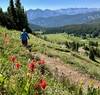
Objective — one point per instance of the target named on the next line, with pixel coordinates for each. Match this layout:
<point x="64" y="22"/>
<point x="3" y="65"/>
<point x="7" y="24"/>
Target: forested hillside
<point x="14" y="17"/>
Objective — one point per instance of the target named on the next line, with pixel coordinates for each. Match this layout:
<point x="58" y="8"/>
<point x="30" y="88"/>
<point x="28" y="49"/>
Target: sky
<point x="54" y="4"/>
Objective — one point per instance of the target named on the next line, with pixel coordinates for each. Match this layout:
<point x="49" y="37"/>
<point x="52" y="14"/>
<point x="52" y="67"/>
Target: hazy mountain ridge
<point x="57" y="18"/>
<point x="32" y="14"/>
<point x="62" y="20"/>
<point x="95" y="21"/>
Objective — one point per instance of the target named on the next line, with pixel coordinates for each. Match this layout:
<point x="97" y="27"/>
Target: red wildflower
<point x="31" y="66"/>
<point x="43" y="84"/>
<point x="12" y="58"/>
<point x="41" y="61"/>
<point x="17" y="65"/>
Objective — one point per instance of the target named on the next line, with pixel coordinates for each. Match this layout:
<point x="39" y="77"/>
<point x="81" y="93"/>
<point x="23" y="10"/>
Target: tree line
<point x="83" y="30"/>
<point x="15" y="16"/>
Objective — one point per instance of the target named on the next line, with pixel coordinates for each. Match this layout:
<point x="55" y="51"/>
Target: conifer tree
<point x="1" y="16"/>
<point x="15" y="17"/>
<point x="91" y="54"/>
<point x="12" y="12"/>
<point x="21" y="16"/>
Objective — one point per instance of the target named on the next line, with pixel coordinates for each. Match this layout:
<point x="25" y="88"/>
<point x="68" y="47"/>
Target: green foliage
<point x="91" y="54"/>
<point x="21" y="16"/>
<point x="15" y="17"/>
<point x="92" y="43"/>
<point x="73" y="45"/>
<point x="11" y="11"/>
<point x="5" y="20"/>
<point x="93" y="30"/>
<point x="97" y="52"/>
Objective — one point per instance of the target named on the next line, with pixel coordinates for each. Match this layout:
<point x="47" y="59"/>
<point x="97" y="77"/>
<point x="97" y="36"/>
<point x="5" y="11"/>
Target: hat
<point x="24" y="29"/>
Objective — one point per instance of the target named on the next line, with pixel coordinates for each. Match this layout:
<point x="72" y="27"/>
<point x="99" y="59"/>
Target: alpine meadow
<point x="51" y="50"/>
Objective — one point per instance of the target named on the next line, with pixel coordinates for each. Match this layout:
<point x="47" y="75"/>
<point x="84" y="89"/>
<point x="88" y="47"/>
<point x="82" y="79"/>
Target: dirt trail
<point x="69" y="71"/>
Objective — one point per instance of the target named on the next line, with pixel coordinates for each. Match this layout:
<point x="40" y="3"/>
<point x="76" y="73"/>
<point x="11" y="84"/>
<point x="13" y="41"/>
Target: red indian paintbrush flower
<point x="41" y="61"/>
<point x="12" y="58"/>
<point x="43" y="84"/>
<point x="17" y="66"/>
<point x="31" y="66"/>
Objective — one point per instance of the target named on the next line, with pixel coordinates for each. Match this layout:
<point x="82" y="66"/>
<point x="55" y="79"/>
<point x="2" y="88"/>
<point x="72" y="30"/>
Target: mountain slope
<point x="15" y="76"/>
<point x="35" y="27"/>
<point x="95" y="21"/>
<point x="18" y="79"/>
<point x="57" y="21"/>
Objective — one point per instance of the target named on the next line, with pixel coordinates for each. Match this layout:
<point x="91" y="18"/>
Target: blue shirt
<point x="24" y="36"/>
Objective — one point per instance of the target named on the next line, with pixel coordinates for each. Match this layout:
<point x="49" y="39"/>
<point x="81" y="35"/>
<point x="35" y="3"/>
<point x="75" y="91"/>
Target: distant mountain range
<point x="57" y="18"/>
<point x="95" y="21"/>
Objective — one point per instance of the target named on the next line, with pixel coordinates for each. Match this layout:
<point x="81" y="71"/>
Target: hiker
<point x="24" y="38"/>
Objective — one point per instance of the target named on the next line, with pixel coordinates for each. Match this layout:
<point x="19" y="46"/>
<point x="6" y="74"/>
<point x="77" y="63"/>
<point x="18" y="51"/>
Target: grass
<point x="11" y="84"/>
<point x="16" y="82"/>
<point x="80" y="60"/>
<point x="55" y="50"/>
<point x="63" y="37"/>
